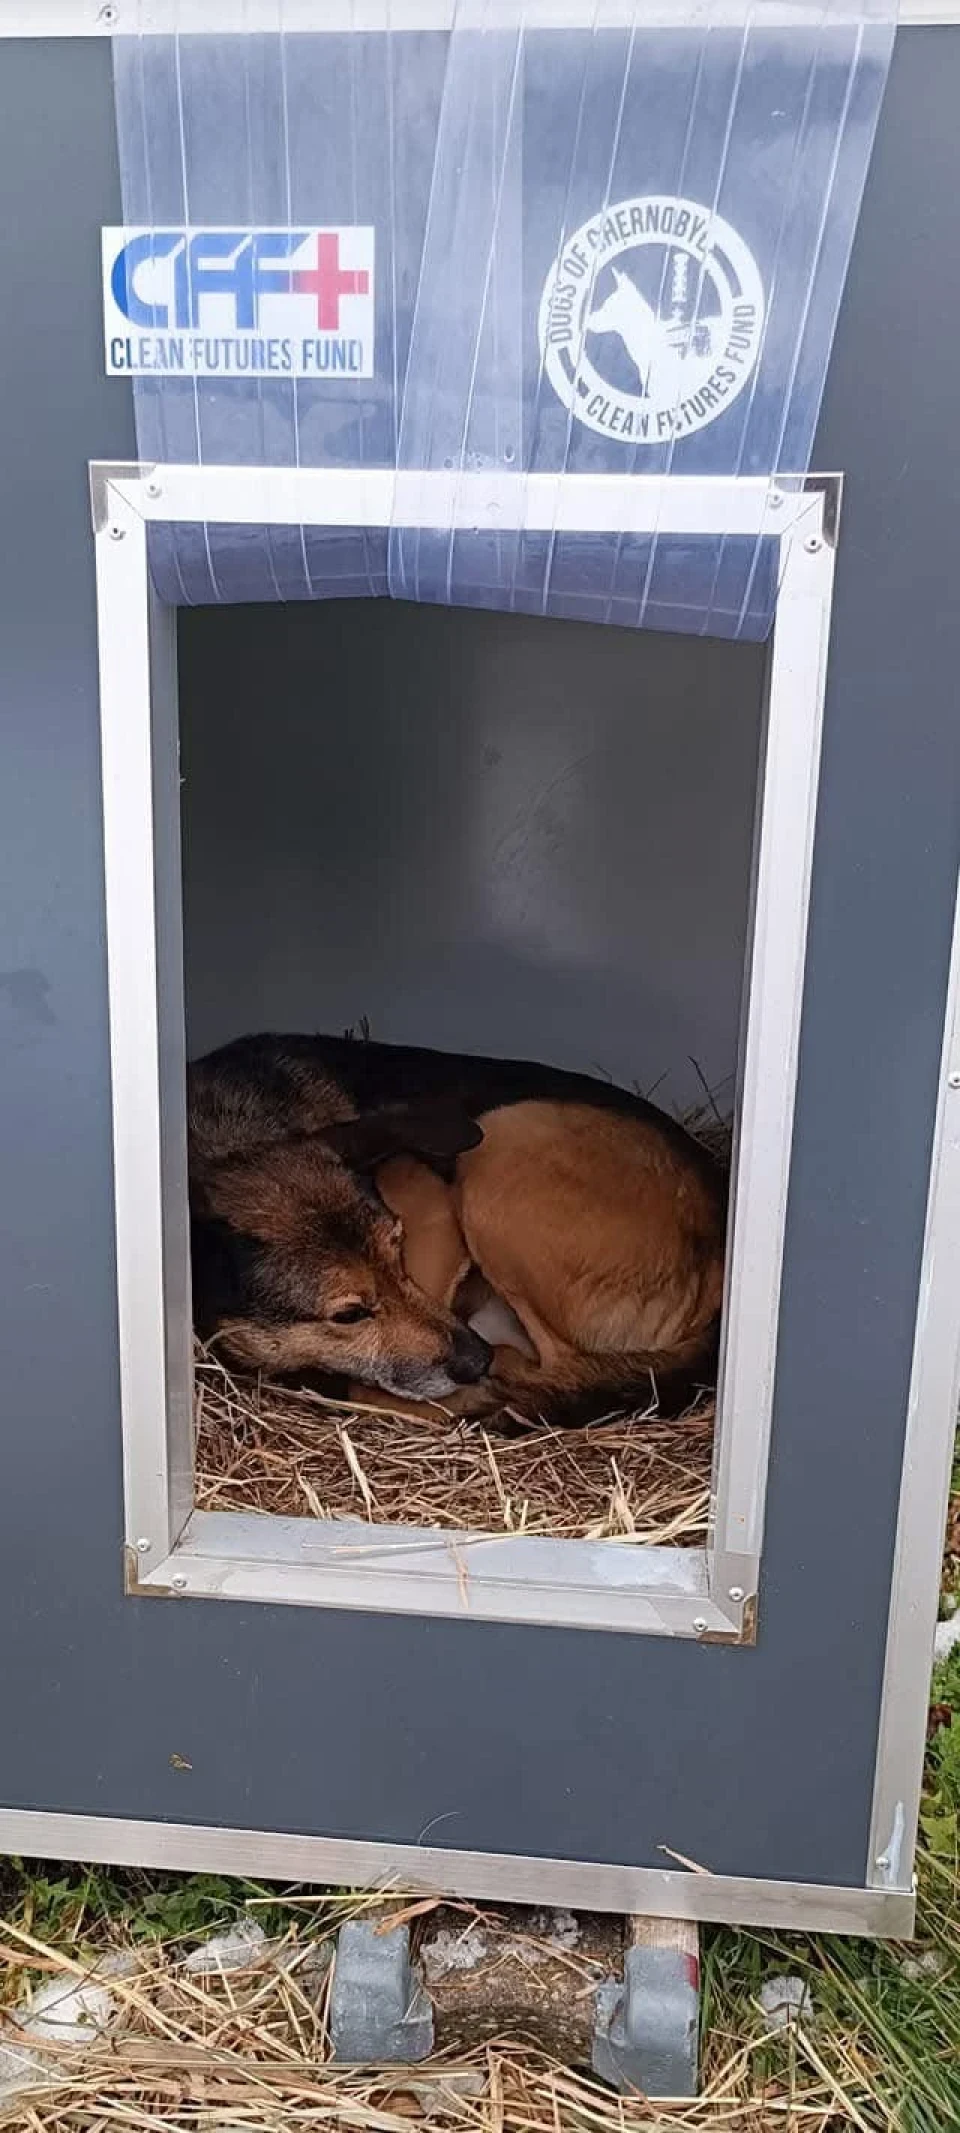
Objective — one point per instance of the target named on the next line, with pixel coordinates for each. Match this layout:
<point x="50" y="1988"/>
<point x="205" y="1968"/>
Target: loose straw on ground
<point x="201" y="2053"/>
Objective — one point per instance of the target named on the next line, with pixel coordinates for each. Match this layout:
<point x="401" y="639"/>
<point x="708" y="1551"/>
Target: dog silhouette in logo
<point x="656" y="347"/>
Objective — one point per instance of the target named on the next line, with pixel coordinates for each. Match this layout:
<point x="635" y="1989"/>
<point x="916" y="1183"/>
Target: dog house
<point x="521" y="316"/>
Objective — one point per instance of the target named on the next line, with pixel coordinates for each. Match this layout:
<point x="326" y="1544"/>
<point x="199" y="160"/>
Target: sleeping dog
<point x="354" y="1206"/>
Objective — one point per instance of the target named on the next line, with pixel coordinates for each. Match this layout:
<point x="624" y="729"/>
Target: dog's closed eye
<point x="349" y="1314"/>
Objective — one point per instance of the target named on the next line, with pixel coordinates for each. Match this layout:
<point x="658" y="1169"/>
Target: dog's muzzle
<point x="467" y="1361"/>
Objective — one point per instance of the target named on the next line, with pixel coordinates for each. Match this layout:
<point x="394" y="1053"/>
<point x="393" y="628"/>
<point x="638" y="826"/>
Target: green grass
<point x="885" y="2031"/>
<point x="89" y="1909"/>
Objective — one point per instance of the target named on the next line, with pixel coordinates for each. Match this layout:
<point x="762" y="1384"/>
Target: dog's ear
<point x="436" y="1131"/>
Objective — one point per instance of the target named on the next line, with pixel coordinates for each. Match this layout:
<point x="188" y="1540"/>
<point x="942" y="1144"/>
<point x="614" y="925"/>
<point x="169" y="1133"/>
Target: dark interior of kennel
<point x="554" y="1744"/>
<point x="486" y="832"/>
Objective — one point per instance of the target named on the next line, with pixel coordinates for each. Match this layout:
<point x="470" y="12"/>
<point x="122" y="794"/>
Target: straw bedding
<point x="631" y="1478"/>
<point x="266" y="1448"/>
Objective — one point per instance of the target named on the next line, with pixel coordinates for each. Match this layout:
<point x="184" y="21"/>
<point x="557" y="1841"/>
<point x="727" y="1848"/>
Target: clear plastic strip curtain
<point x="479" y="237"/>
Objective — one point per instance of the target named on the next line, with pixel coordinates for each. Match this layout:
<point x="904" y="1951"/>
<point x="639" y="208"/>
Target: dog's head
<point x="298" y="1264"/>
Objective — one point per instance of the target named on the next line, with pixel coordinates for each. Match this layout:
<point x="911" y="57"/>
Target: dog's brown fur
<point x="592" y="1217"/>
<point x="598" y="1240"/>
<point x="298" y="1266"/>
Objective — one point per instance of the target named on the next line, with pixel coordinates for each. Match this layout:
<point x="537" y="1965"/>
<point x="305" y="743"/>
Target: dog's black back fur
<point x="278" y="1085"/>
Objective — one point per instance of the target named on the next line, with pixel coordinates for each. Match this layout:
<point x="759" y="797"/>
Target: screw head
<point x="775" y="501"/>
<point x="107" y="14"/>
<point x="953" y="1080"/>
<point x="117" y="532"/>
<point x="179" y="1582"/>
<point x="735" y="1592"/>
<point x="153" y="489"/>
<point x="699" y="1623"/>
<point x="143" y="1545"/>
<point x="813" y="544"/>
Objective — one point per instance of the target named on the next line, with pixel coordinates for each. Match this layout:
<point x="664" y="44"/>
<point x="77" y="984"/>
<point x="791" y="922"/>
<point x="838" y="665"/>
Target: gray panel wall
<point x="558" y="1743"/>
<point x="483" y="831"/>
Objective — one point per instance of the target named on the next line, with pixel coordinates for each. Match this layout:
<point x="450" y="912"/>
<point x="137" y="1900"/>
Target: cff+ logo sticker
<point x="239" y="303"/>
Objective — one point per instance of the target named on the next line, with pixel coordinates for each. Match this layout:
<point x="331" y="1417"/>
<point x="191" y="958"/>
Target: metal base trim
<point x="497" y="1877"/>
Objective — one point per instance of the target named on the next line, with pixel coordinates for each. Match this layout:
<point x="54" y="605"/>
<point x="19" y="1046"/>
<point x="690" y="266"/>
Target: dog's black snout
<point x="470" y="1357"/>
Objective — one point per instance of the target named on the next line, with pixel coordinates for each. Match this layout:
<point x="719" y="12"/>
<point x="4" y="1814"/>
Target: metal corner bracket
<point x="830" y="487"/>
<point x="102" y="473"/>
<point x="742" y="1631"/>
<point x="137" y="1588"/>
